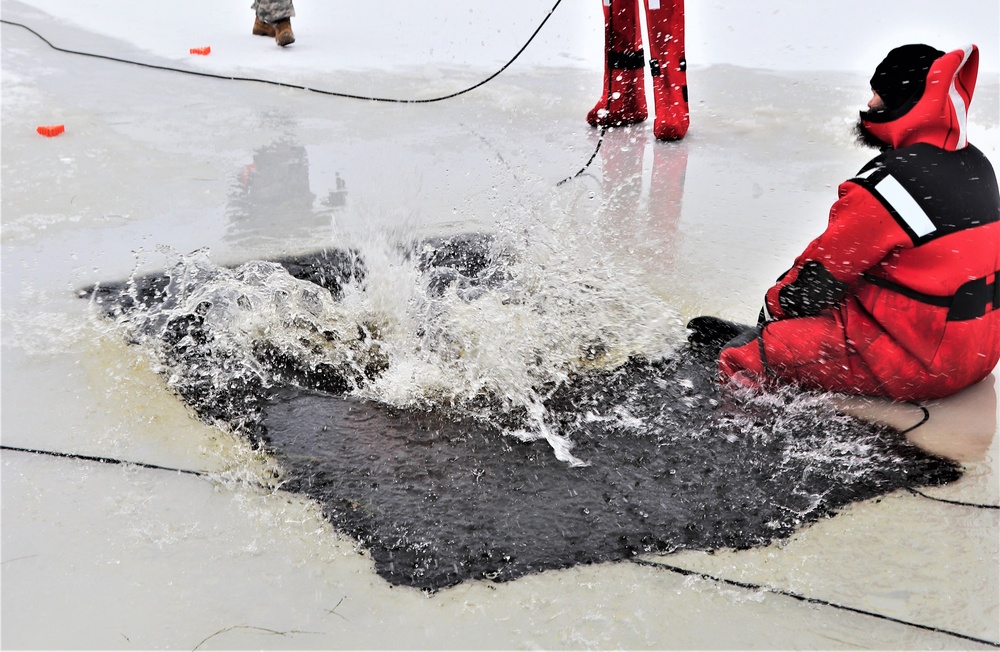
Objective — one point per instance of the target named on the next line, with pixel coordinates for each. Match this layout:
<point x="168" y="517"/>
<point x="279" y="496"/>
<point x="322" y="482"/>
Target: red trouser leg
<point x="812" y="352"/>
<point x="624" y="99"/>
<point x="665" y="23"/>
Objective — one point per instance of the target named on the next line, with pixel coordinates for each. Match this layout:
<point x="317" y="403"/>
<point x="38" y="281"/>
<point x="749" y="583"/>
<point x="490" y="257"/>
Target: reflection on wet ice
<point x="960" y="427"/>
<point x="642" y="181"/>
<point x="271" y="198"/>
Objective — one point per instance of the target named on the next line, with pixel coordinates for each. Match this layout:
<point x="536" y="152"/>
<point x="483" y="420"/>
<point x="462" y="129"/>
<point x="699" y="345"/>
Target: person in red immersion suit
<point x="624" y="98"/>
<point x="899" y="297"/>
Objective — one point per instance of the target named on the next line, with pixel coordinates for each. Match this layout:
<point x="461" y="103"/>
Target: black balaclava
<point x="902" y="75"/>
<point x="900" y="81"/>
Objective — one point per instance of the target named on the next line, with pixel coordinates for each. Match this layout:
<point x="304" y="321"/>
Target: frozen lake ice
<point x="127" y="558"/>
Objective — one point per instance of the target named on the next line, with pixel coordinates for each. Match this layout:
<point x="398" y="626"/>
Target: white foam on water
<point x="564" y="303"/>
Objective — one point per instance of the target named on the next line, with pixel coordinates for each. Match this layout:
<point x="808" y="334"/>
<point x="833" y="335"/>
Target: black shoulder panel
<point x="956" y="190"/>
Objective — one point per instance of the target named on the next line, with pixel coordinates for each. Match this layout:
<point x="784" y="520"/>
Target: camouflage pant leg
<point x="271" y="11"/>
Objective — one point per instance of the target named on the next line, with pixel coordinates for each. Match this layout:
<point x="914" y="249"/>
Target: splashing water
<point x="533" y="333"/>
<point x="490" y="327"/>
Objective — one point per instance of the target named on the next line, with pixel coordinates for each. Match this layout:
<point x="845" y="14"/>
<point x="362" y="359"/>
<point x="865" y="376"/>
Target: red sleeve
<point x="860" y="233"/>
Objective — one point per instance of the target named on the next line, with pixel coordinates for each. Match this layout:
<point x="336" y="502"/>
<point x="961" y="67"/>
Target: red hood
<point x="938" y="116"/>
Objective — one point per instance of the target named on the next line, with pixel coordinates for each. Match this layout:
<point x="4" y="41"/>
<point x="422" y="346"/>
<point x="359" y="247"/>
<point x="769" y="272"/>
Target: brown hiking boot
<point x="283" y="33"/>
<point x="260" y="28"/>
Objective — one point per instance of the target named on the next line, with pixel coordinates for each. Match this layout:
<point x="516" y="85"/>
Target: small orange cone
<point x="202" y="51"/>
<point x="51" y="130"/>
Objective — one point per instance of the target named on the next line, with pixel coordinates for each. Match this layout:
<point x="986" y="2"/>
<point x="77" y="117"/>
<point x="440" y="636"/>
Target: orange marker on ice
<point x="202" y="51"/>
<point x="51" y="130"/>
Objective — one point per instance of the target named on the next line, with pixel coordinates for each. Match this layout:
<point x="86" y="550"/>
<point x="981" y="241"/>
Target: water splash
<point x="482" y="325"/>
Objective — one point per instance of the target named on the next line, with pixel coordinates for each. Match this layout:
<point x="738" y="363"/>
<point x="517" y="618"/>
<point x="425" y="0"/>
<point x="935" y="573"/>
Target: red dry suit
<point x="899" y="297"/>
<point x="624" y="99"/>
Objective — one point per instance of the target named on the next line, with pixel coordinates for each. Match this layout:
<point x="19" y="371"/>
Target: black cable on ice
<point x="925" y="419"/>
<point x="951" y="502"/>
<point x="352" y="96"/>
<point x="802" y="598"/>
<point x="607" y="104"/>
<point x="102" y="460"/>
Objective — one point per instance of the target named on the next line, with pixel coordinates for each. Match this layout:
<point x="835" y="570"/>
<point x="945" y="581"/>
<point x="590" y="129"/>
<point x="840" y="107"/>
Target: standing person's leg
<point x="273" y="18"/>
<point x="624" y="98"/>
<point x="665" y="23"/>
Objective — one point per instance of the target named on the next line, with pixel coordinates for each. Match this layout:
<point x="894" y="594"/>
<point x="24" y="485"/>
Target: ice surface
<point x="153" y="159"/>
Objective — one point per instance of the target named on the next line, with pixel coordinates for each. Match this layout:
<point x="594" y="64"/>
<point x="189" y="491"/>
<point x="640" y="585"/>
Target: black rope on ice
<point x="607" y="106"/>
<point x="351" y="96"/>
<point x="600" y="141"/>
<point x="925" y="419"/>
<point x="951" y="502"/>
<point x="102" y="460"/>
<point x="802" y="598"/>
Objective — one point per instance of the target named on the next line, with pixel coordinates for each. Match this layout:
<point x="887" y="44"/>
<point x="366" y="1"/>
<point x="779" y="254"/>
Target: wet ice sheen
<point x="158" y="159"/>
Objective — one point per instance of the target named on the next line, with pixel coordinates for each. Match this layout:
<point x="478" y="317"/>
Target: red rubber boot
<point x="665" y="22"/>
<point x="624" y="99"/>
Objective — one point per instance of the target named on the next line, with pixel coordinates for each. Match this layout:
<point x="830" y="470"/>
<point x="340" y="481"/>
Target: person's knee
<point x="740" y="354"/>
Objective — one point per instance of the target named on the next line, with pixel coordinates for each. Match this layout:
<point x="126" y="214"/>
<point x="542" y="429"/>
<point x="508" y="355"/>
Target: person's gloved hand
<point x="711" y="332"/>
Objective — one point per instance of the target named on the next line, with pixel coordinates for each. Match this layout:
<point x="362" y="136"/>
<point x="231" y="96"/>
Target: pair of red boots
<point x="624" y="98"/>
